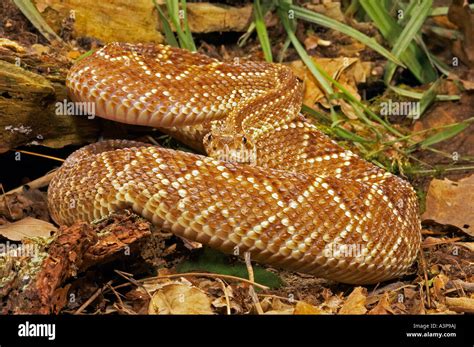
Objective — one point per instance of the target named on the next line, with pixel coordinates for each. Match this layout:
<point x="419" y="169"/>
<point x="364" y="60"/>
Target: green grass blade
<point x="418" y="96"/>
<point x="310" y="64"/>
<point x="336" y="129"/>
<point x="35" y="18"/>
<point x="446" y="134"/>
<point x="185" y="39"/>
<point x="262" y="31"/>
<point x="417" y="18"/>
<point x="322" y="20"/>
<point x="323" y="77"/>
<point x="426" y="100"/>
<point x="414" y="58"/>
<point x="169" y="34"/>
<point x="348" y="135"/>
<point x="266" y="6"/>
<point x="187" y="31"/>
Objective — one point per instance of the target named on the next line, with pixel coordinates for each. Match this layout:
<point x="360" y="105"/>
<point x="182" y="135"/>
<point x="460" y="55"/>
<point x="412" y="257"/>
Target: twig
<point x="152" y="140"/>
<point x="425" y="275"/>
<point x="290" y="300"/>
<point x="441" y="242"/>
<point x="92" y="298"/>
<point x="198" y="274"/>
<point x="6" y="201"/>
<point x="252" y="293"/>
<point x="129" y="278"/>
<point x="120" y="306"/>
<point x="35" y="184"/>
<point x="226" y="295"/>
<point x="40" y="155"/>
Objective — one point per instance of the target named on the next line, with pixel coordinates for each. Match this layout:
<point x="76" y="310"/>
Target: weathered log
<point x="137" y="21"/>
<point x="30" y="91"/>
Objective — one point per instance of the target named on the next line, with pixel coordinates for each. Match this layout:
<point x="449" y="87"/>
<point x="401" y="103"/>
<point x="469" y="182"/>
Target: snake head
<point x="237" y="148"/>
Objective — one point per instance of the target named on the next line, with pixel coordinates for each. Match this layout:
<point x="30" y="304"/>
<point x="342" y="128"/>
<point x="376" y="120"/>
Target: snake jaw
<point x="236" y="148"/>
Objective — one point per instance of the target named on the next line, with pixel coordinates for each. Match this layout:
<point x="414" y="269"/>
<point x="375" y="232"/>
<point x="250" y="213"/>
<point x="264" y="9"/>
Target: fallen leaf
<point x="305" y="308"/>
<point x="332" y="304"/>
<point x="42" y="5"/>
<point x="447" y="202"/>
<point x="347" y="71"/>
<point x="355" y="302"/>
<point x="383" y="306"/>
<point x="180" y="299"/>
<point x="273" y="305"/>
<point x="26" y="228"/>
<point x="329" y="9"/>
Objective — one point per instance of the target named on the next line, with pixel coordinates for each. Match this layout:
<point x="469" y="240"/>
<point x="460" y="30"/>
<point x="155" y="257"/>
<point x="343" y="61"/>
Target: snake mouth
<point x="236" y="149"/>
<point x="242" y="156"/>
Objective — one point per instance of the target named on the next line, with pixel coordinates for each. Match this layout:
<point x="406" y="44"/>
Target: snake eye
<point x="244" y="140"/>
<point x="209" y="137"/>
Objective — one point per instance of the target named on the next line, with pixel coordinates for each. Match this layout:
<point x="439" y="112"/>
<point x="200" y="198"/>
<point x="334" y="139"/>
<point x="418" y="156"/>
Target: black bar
<point x="289" y="330"/>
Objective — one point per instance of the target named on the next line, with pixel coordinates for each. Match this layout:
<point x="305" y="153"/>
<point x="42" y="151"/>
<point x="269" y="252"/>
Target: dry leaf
<point x="179" y="298"/>
<point x="347" y="71"/>
<point x="305" y="308"/>
<point x="383" y="306"/>
<point x="355" y="302"/>
<point x="273" y="305"/>
<point x="447" y="202"/>
<point x="332" y="304"/>
<point x="42" y="5"/>
<point x="329" y="9"/>
<point x="26" y="228"/>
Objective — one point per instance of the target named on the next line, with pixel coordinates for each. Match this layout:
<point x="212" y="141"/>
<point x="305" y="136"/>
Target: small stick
<point x="92" y="298"/>
<point x="6" y="201"/>
<point x="226" y="295"/>
<point x="252" y="293"/>
<point x="117" y="295"/>
<point x="35" y="184"/>
<point x="40" y="155"/>
<point x="425" y="275"/>
<point x="197" y="274"/>
<point x="133" y="281"/>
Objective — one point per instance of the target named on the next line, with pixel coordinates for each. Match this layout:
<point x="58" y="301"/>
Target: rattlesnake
<point x="274" y="185"/>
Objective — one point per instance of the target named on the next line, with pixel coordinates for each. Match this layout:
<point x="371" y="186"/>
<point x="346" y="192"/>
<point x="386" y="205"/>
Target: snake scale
<point x="272" y="183"/>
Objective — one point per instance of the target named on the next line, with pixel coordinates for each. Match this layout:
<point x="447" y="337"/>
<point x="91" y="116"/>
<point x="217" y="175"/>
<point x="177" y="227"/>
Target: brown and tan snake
<point x="272" y="185"/>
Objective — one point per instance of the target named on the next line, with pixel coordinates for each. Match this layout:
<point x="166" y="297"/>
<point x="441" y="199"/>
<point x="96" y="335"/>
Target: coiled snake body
<point x="274" y="186"/>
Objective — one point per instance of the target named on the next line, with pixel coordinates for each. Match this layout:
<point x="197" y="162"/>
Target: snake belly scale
<point x="299" y="202"/>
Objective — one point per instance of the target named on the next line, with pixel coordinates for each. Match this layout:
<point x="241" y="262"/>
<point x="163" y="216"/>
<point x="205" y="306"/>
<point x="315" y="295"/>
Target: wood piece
<point x="28" y="106"/>
<point x="138" y="21"/>
<point x="34" y="284"/>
